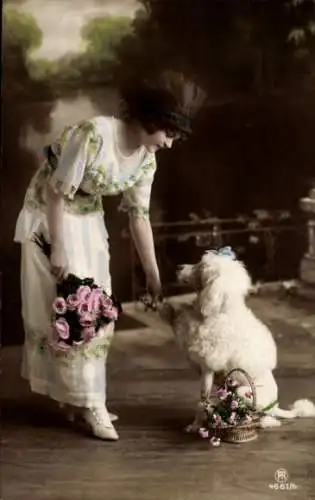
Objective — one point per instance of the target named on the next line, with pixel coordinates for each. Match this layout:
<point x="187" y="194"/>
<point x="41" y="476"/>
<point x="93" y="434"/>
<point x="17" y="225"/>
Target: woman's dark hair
<point x="167" y="105"/>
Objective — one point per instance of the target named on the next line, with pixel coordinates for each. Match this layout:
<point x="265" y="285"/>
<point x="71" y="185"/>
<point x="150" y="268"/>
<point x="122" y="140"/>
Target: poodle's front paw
<point x="192" y="428"/>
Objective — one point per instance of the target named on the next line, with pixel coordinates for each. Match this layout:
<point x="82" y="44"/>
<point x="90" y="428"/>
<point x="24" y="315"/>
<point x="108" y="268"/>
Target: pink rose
<point x="59" y="305"/>
<point x="88" y="333"/>
<point x="62" y="328"/>
<point x="106" y="302"/>
<point x="83" y="292"/>
<point x="94" y="300"/>
<point x="83" y="308"/>
<point x="203" y="433"/>
<point x="97" y="306"/>
<point x="87" y="320"/>
<point x="108" y="309"/>
<point x="73" y="302"/>
<point x="218" y="419"/>
<point x="98" y="292"/>
<point x="112" y="313"/>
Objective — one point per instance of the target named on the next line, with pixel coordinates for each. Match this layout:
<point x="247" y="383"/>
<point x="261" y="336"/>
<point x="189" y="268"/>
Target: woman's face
<point x="158" y="140"/>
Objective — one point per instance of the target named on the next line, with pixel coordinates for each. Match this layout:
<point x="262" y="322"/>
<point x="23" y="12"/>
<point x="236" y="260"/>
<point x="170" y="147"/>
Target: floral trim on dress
<point x="97" y="178"/>
<point x="82" y="203"/>
<point x="136" y="198"/>
<point x="96" y="351"/>
<point x="72" y="156"/>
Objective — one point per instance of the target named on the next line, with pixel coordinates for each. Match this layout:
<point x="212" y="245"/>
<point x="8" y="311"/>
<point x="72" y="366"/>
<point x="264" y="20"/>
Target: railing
<point x="270" y="243"/>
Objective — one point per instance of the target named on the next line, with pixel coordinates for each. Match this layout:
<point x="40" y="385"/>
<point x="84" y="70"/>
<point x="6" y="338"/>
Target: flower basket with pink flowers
<point x="80" y="309"/>
<point x="230" y="418"/>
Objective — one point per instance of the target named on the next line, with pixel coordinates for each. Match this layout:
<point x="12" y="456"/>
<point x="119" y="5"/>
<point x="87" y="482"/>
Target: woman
<point x="103" y="156"/>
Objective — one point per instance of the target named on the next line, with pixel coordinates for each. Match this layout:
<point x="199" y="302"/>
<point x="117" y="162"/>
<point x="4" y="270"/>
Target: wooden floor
<point x="154" y="392"/>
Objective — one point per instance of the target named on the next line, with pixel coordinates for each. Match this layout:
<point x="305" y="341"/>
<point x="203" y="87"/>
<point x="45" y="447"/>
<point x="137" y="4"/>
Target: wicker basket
<point x="242" y="433"/>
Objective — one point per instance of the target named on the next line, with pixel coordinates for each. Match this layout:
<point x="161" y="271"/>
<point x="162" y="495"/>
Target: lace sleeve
<point x="79" y="146"/>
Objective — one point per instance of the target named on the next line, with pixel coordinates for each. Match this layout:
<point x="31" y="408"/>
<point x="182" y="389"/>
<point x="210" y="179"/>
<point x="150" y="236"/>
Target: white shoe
<point x="72" y="412"/>
<point x="99" y="420"/>
<point x="113" y="417"/>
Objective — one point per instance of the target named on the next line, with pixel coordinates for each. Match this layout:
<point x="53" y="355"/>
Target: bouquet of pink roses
<point x="80" y="309"/>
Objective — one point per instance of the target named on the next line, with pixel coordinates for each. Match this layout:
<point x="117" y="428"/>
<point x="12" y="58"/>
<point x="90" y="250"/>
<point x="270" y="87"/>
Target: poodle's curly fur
<point x="219" y="332"/>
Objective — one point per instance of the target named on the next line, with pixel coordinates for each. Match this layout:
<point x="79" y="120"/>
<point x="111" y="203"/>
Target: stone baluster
<point x="307" y="269"/>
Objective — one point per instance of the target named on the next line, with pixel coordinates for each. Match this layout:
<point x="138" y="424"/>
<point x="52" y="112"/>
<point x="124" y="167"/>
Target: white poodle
<point x="220" y="333"/>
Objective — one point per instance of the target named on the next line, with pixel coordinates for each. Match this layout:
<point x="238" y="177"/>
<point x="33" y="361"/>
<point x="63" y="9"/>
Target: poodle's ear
<point x="212" y="298"/>
<point x="212" y="294"/>
<point x="222" y="282"/>
<point x="185" y="274"/>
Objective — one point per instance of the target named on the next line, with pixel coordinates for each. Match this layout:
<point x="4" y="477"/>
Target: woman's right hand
<point x="59" y="262"/>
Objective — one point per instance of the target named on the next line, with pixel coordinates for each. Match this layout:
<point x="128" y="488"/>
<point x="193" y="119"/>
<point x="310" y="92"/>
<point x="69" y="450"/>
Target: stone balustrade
<point x="307" y="269"/>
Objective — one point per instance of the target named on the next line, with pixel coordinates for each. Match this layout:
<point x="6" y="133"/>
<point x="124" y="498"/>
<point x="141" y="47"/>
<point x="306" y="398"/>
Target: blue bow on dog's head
<point x="225" y="252"/>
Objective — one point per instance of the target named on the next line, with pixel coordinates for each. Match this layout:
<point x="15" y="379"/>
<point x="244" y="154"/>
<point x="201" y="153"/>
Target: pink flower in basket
<point x="217" y="419"/>
<point x="62" y="328"/>
<point x="232" y="418"/>
<point x="221" y="393"/>
<point x="203" y="432"/>
<point x="59" y="305"/>
<point x="234" y="405"/>
<point x="73" y="302"/>
<point x="88" y="333"/>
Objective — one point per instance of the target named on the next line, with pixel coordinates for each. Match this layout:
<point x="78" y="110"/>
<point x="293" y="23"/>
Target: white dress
<point x="88" y="167"/>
